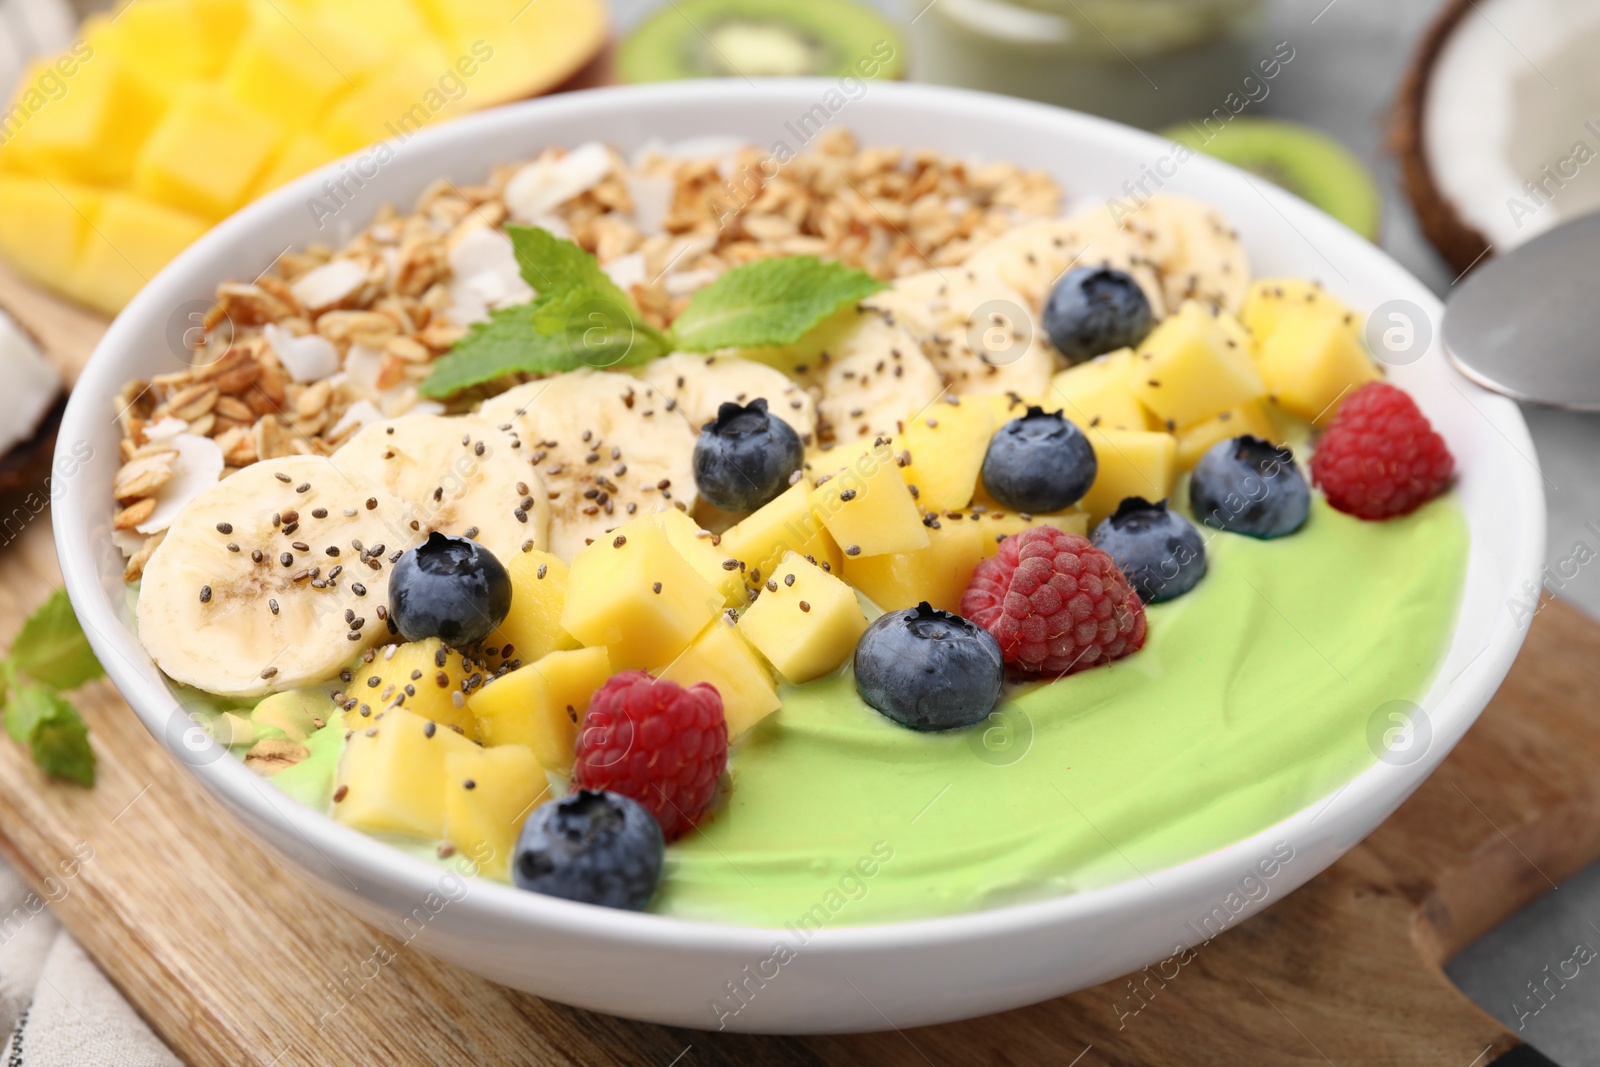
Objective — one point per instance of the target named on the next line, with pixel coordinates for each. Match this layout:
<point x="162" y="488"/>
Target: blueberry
<point x="929" y="669"/>
<point x="1245" y="485"/>
<point x="1038" y="463"/>
<point x="594" y="847"/>
<point x="745" y="457"/>
<point x="451" y="588"/>
<point x="1160" y="551"/>
<point x="1095" y="310"/>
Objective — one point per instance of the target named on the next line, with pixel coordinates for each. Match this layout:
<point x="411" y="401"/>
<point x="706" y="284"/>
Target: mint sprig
<point x="50" y="654"/>
<point x="581" y="318"/>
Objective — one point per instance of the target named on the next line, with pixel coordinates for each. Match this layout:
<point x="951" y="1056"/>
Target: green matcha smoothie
<point x="1250" y="700"/>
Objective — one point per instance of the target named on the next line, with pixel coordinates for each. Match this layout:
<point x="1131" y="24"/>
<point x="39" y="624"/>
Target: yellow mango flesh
<point x="695" y="546"/>
<point x="43" y="224"/>
<point x="488" y="794"/>
<point x="1269" y="299"/>
<point x="760" y="540"/>
<point x="532" y="628"/>
<point x="1129" y="463"/>
<point x="391" y="776"/>
<point x="868" y="509"/>
<point x="200" y="106"/>
<point x="1096" y="394"/>
<point x="1311" y="360"/>
<point x="1192" y="367"/>
<point x="633" y="593"/>
<point x="424" y="677"/>
<point x="540" y="705"/>
<point x="1253" y="418"/>
<point x="723" y="658"/>
<point x="805" y="628"/>
<point x="946" y="445"/>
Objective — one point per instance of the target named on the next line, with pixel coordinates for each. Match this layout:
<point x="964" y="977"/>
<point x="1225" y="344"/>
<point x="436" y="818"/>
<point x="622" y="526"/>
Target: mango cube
<point x="532" y="629"/>
<point x="938" y="573"/>
<point x="391" y="776"/>
<point x="1311" y="360"/>
<point x="946" y="445"/>
<point x="424" y="677"/>
<point x="722" y="657"/>
<point x="1252" y="418"/>
<point x="301" y="154"/>
<point x="1191" y="368"/>
<point x="43" y="224"/>
<point x="1269" y="299"/>
<point x="488" y="794"/>
<point x="807" y="627"/>
<point x="760" y="540"/>
<point x="1130" y="463"/>
<point x="1096" y="394"/>
<point x="694" y="545"/>
<point x="396" y="101"/>
<point x="540" y="705"/>
<point x="92" y="131"/>
<point x="285" y="69"/>
<point x="131" y="241"/>
<point x="633" y="593"/>
<point x="170" y="40"/>
<point x="235" y="142"/>
<point x="867" y="507"/>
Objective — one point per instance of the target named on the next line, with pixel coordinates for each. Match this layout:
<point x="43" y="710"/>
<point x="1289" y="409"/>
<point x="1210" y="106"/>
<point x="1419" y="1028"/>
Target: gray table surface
<point x="1346" y="67"/>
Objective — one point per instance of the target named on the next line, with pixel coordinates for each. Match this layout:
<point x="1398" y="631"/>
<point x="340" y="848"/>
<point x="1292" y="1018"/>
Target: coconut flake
<point x="548" y="182"/>
<point x="627" y="271"/>
<point x="32" y="384"/>
<point x="485" y="276"/>
<point x="307" y="359"/>
<point x="356" y="415"/>
<point x="324" y="286"/>
<point x="685" y="282"/>
<point x="711" y="146"/>
<point x="127" y="541"/>
<point x="165" y="429"/>
<point x="652" y="200"/>
<point x="195" y="469"/>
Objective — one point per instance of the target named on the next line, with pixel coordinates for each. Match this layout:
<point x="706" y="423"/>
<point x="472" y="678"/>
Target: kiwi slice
<point x="750" y="38"/>
<point x="1311" y="165"/>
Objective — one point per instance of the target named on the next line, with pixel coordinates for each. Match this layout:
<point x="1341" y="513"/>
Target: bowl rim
<point x="378" y="862"/>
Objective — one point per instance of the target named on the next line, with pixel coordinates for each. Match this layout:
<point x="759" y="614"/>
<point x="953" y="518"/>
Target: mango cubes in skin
<point x="723" y="658"/>
<point x="1096" y="394"/>
<point x="487" y="797"/>
<point x="532" y="629"/>
<point x="759" y="541"/>
<point x="540" y="705"/>
<point x="806" y="627"/>
<point x="1253" y="418"/>
<point x="1129" y="463"/>
<point x="235" y="141"/>
<point x="1307" y="348"/>
<point x="1192" y="367"/>
<point x="424" y="677"/>
<point x="946" y="445"/>
<point x="633" y="593"/>
<point x="392" y="775"/>
<point x="867" y="507"/>
<point x="131" y="241"/>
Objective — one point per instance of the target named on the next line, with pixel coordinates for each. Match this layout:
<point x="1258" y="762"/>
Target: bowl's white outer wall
<point x="863" y="978"/>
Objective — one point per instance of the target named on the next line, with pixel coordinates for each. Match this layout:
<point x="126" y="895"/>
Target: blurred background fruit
<point x="167" y="115"/>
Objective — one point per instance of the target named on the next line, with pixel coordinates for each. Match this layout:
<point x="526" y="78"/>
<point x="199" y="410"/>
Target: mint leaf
<point x="768" y="302"/>
<point x="61" y="747"/>
<point x="580" y="318"/>
<point x="28" y="706"/>
<point x="51" y="647"/>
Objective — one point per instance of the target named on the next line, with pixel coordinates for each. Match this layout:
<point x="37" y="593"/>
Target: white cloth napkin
<point x="59" y="1009"/>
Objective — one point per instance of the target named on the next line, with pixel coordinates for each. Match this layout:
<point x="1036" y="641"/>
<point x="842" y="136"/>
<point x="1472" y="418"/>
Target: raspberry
<point x="1056" y="603"/>
<point x="656" y="742"/>
<point x="1379" y="457"/>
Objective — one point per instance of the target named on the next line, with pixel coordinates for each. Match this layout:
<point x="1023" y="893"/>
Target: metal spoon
<point x="1527" y="323"/>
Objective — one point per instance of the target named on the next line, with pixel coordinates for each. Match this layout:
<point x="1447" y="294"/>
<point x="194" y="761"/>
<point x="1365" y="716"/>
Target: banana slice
<point x="977" y="331"/>
<point x="874" y="380"/>
<point x="1030" y="257"/>
<point x="607" y="446"/>
<point x="1195" y="250"/>
<point x="699" y="384"/>
<point x="248" y="593"/>
<point x="460" y="475"/>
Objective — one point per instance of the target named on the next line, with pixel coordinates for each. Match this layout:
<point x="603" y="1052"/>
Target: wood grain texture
<point x="235" y="960"/>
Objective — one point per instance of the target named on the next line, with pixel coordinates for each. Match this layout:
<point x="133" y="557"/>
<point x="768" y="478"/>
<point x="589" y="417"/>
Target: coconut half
<point x="32" y="408"/>
<point x="1498" y="123"/>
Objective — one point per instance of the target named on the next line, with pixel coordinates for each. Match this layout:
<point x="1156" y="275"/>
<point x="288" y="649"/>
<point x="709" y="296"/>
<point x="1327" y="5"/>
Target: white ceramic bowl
<point x="850" y="978"/>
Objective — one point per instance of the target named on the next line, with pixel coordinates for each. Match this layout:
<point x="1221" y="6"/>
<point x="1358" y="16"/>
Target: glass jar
<point x="1145" y="62"/>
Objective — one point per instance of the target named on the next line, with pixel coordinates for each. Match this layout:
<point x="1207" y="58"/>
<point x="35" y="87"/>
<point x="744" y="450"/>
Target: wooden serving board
<point x="228" y="954"/>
